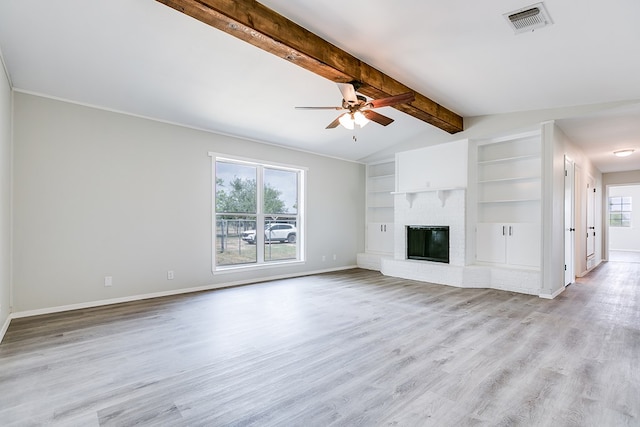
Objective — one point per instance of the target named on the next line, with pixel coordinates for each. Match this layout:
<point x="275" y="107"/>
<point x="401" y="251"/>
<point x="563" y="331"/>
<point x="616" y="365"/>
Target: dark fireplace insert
<point x="428" y="243"/>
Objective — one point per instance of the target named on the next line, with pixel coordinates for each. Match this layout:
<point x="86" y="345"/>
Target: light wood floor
<point x="351" y="348"/>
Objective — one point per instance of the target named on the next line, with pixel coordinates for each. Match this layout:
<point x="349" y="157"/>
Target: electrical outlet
<point x="108" y="280"/>
<point x="334" y="257"/>
<point x="324" y="258"/>
<point x="170" y="275"/>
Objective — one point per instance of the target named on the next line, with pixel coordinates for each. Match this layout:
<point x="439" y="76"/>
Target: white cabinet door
<point x="523" y="245"/>
<point x="516" y="244"/>
<point x="490" y="242"/>
<point x="380" y="237"/>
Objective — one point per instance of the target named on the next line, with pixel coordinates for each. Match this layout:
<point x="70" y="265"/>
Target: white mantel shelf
<point x="443" y="193"/>
<point x="428" y="189"/>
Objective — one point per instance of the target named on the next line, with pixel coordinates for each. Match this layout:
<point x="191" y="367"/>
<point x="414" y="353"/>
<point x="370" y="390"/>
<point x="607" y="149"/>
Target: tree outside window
<point x="256" y="213"/>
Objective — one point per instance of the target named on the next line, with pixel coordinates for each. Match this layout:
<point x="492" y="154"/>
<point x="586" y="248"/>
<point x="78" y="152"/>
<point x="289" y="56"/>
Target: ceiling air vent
<point x="529" y="18"/>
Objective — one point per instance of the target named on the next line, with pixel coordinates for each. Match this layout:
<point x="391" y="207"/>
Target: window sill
<point x="252" y="267"/>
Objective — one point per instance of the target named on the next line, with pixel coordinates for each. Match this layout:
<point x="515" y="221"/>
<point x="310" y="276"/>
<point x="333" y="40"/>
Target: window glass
<point x="235" y="188"/>
<point x="230" y="244"/>
<point x="620" y="211"/>
<point x="257" y="213"/>
<point x="280" y="239"/>
<point x="280" y="191"/>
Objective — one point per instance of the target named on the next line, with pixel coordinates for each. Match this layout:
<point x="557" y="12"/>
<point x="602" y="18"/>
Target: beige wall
<point x="99" y="193"/>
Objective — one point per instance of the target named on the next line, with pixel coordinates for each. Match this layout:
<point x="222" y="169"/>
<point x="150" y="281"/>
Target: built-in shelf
<point x="443" y="193"/>
<point x="508" y="159"/>
<point x="510" y="179"/>
<point x="509" y="195"/>
<point x="381" y="181"/>
<point x="428" y="189"/>
<point x="509" y="200"/>
<point x="382" y="176"/>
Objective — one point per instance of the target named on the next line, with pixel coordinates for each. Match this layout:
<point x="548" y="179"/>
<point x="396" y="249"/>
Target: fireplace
<point x="428" y="243"/>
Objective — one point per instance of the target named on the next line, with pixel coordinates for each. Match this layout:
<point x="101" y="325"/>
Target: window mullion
<point x="259" y="213"/>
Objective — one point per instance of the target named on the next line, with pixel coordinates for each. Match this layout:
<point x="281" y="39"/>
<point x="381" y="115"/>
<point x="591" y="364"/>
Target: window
<point x="257" y="213"/>
<point x="620" y="211"/>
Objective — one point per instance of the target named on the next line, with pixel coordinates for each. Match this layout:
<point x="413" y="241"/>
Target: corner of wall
<point x="6" y="201"/>
<point x="5" y="327"/>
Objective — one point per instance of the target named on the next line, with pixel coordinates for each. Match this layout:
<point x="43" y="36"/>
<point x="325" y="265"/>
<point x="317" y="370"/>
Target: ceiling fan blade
<point x="335" y="123"/>
<point x="348" y="92"/>
<point x="403" y="98"/>
<point x="319" y="108"/>
<point x="377" y="117"/>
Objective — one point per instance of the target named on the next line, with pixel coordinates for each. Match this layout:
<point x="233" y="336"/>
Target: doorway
<point x="591" y="222"/>
<point x="623" y="223"/>
<point x="569" y="221"/>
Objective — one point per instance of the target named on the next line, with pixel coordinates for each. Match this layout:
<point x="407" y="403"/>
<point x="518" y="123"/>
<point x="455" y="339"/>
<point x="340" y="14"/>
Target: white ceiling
<point x="143" y="58"/>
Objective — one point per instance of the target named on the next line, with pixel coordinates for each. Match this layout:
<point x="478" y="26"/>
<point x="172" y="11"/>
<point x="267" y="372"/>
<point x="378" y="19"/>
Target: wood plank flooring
<point x="350" y="348"/>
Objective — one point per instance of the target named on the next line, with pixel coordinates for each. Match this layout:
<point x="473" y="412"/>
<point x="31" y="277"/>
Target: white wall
<point x="482" y="127"/>
<point x="584" y="169"/>
<point x="5" y="200"/>
<point x="100" y="193"/>
<point x="608" y="180"/>
<point x="626" y="238"/>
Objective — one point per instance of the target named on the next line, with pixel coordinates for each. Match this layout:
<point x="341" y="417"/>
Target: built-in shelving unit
<point x="381" y="182"/>
<point x="509" y="196"/>
<point x="509" y="185"/>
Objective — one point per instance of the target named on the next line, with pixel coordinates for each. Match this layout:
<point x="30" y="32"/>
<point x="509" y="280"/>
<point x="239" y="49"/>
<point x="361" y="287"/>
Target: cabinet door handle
<point x="510" y="231"/>
<point x="381" y="227"/>
<point x="504" y="230"/>
<point x="385" y="228"/>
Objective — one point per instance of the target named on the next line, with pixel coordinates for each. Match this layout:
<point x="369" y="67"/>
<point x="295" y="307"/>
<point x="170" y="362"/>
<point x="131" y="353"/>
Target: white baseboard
<point x="553" y="295"/>
<point x="4" y="328"/>
<point x="99" y="303"/>
<point x="584" y="273"/>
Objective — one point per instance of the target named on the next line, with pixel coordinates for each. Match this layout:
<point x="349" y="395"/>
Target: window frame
<point x="260" y="216"/>
<point x="619" y="223"/>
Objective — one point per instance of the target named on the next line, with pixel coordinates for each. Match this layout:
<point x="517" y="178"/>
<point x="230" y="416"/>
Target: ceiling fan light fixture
<point x="360" y="119"/>
<point x="347" y="121"/>
<point x="623" y="153"/>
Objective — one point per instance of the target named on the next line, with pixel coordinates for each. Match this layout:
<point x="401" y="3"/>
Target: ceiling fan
<point x="359" y="111"/>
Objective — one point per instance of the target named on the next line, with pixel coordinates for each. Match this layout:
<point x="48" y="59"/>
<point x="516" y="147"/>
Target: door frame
<point x="569" y="221"/>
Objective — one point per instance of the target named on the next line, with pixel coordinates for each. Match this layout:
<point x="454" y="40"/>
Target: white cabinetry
<point x="380" y="184"/>
<point x="380" y="237"/>
<point x="515" y="244"/>
<point x="509" y="192"/>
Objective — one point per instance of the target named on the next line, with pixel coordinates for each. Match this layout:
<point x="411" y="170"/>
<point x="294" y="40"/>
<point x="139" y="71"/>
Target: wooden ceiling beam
<point x="254" y="23"/>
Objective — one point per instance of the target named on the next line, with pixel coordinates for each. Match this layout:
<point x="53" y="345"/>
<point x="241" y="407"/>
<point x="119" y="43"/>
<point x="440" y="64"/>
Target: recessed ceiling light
<point x="623" y="153"/>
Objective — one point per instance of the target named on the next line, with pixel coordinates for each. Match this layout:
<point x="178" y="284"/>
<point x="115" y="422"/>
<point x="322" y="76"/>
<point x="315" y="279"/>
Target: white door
<point x="569" y="222"/>
<point x="591" y="217"/>
<point x="491" y="242"/>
